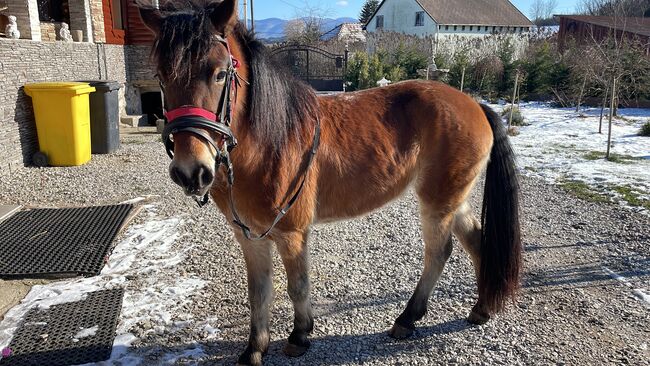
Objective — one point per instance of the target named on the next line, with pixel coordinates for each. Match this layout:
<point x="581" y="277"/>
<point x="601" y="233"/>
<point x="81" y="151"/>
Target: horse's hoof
<point x="400" y="331"/>
<point x="294" y="350"/>
<point x="250" y="359"/>
<point x="477" y="317"/>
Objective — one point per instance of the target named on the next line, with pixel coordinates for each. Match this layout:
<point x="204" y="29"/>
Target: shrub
<point x="517" y="117"/>
<point x="645" y="129"/>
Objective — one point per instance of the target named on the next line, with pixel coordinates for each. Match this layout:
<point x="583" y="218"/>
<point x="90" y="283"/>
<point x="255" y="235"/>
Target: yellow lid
<point x="58" y="87"/>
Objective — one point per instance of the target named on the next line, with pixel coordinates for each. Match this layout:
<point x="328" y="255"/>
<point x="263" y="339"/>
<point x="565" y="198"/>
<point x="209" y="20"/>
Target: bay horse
<point x="271" y="153"/>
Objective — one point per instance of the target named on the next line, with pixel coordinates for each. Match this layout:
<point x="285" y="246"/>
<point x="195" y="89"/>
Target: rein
<point x="199" y="121"/>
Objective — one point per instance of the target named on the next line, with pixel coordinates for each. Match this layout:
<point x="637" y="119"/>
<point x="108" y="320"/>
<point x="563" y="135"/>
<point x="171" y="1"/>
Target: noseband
<point x="200" y="122"/>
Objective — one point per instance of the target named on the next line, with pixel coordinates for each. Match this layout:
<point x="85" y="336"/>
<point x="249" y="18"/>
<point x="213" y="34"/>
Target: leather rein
<point x="199" y="121"/>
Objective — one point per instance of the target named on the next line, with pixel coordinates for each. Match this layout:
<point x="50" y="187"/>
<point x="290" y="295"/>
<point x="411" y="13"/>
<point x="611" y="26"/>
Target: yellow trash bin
<point x="62" y="121"/>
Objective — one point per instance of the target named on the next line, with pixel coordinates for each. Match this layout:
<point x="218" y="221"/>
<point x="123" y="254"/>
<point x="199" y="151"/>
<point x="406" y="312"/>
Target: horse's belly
<point x="358" y="194"/>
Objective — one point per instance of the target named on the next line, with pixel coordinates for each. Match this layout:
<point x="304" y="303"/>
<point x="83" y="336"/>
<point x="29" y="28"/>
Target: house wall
<point x="399" y="16"/>
<point x="23" y="61"/>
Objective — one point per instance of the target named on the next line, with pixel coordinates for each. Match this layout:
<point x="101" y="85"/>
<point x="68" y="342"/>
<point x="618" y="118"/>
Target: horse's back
<point x="376" y="142"/>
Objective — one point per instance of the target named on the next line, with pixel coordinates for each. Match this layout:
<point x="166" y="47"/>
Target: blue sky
<point x="287" y="9"/>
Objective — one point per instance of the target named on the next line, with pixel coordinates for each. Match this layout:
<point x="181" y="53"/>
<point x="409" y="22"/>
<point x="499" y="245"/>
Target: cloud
<point x="342" y="3"/>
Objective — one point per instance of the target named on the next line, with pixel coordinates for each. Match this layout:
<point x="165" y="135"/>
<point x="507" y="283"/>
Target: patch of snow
<point x="145" y="264"/>
<point x="193" y="353"/>
<point x="638" y="293"/>
<point x="85" y="333"/>
<point x="555" y="145"/>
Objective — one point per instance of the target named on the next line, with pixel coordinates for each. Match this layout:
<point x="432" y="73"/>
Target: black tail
<point x="500" y="237"/>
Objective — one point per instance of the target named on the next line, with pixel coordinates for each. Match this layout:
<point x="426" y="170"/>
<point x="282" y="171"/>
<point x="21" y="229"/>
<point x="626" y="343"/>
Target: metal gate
<point x="323" y="70"/>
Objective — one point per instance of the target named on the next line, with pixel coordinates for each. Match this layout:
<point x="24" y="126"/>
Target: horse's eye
<point x="220" y="76"/>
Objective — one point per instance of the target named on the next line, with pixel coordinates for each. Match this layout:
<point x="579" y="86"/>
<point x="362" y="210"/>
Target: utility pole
<point x="245" y="14"/>
<point x="252" y="18"/>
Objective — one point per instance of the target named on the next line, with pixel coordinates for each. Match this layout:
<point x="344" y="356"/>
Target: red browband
<point x="190" y="111"/>
<point x="196" y="111"/>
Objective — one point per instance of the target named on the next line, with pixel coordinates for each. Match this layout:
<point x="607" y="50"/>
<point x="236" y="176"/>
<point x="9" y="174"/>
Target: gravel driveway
<point x="572" y="308"/>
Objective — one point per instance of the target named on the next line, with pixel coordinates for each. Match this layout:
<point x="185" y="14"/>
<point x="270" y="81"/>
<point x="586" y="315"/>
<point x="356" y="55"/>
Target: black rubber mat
<point x="55" y="336"/>
<point x="59" y="242"/>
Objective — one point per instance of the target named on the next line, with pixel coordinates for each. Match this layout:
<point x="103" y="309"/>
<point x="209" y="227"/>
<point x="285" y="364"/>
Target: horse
<point x="276" y="159"/>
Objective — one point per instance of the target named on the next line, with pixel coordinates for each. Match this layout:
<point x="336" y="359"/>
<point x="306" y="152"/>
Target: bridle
<point x="199" y="121"/>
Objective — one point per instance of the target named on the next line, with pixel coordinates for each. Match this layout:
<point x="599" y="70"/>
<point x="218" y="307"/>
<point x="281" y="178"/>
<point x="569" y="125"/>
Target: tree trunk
<point x="462" y="79"/>
<point x="611" y="117"/>
<point x="602" y="110"/>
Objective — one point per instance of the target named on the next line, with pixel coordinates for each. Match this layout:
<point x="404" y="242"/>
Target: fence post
<point x="514" y="96"/>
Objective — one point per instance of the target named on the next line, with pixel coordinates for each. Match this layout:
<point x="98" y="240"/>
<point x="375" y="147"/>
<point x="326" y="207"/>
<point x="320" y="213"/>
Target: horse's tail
<point x="500" y="235"/>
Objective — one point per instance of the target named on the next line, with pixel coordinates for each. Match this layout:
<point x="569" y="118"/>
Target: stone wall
<point x="22" y="62"/>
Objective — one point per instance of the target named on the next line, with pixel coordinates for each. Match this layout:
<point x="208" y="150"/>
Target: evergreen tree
<point x="368" y="10"/>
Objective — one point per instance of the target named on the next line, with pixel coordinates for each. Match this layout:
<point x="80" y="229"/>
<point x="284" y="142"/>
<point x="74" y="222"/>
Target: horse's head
<point x="194" y="64"/>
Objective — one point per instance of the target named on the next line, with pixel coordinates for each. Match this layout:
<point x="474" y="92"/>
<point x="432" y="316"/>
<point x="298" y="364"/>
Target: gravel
<point x="570" y="311"/>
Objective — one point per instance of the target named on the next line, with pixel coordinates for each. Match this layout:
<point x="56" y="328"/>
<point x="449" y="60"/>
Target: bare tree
<point x="542" y="10"/>
<point x="630" y="8"/>
<point x="307" y="25"/>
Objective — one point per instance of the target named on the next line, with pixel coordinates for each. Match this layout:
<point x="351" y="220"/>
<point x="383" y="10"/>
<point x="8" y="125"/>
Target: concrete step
<point x="8" y="210"/>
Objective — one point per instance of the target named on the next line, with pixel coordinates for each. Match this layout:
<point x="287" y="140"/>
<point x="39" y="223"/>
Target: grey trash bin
<point x="104" y="116"/>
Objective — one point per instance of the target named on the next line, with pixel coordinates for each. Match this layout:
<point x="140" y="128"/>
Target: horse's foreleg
<point x="436" y="230"/>
<point x="294" y="253"/>
<point x="260" y="293"/>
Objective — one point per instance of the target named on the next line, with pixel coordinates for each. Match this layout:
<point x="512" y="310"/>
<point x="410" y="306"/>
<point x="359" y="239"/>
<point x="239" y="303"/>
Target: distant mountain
<point x="272" y="29"/>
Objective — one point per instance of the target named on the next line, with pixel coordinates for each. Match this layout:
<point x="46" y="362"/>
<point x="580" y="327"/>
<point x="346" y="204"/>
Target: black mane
<point x="279" y="105"/>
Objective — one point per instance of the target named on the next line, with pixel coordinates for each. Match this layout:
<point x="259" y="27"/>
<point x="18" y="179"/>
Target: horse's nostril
<point x="205" y="176"/>
<point x="178" y="177"/>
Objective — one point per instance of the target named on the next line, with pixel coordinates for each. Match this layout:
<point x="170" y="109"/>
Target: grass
<point x="645" y="129"/>
<point x="631" y="196"/>
<point x="583" y="191"/>
<point x="614" y="158"/>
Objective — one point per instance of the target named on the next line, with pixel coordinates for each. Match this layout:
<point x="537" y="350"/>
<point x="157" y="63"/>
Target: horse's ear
<point x="152" y="18"/>
<point x="224" y="16"/>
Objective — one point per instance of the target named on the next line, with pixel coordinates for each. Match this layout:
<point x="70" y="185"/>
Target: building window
<point x="419" y="19"/>
<point x="471" y="28"/>
<point x="463" y="28"/>
<point x="379" y="22"/>
<point x="455" y="27"/>
<point x="117" y="14"/>
<point x="52" y="11"/>
<point x="446" y="27"/>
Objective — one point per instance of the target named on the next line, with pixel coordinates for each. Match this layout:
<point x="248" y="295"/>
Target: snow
<point x="85" y="333"/>
<point x="144" y="263"/>
<point x="556" y="144"/>
<point x="638" y="293"/>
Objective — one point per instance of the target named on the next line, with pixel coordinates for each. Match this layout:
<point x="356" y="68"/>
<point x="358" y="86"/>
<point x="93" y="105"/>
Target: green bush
<point x="645" y="129"/>
<point x="517" y="117"/>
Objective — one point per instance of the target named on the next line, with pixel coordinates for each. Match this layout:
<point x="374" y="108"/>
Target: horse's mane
<point x="279" y="105"/>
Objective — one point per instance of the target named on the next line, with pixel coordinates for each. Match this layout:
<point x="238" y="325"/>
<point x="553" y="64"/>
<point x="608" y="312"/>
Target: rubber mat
<point x="59" y="242"/>
<point x="67" y="334"/>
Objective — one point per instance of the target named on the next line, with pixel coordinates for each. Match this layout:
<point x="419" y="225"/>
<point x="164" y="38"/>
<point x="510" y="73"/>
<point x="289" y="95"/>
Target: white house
<point x="443" y="18"/>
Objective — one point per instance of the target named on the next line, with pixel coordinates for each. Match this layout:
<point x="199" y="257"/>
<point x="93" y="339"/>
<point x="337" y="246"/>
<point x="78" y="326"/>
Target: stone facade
<point x="97" y="20"/>
<point x="48" y="31"/>
<point x="80" y="18"/>
<point x="22" y="62"/>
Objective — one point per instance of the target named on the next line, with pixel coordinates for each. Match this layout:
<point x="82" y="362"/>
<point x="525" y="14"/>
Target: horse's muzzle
<point x="195" y="181"/>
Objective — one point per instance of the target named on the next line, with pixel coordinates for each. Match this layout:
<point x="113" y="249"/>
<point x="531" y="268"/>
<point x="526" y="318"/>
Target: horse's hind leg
<point x="467" y="229"/>
<point x="293" y="250"/>
<point x="436" y="230"/>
